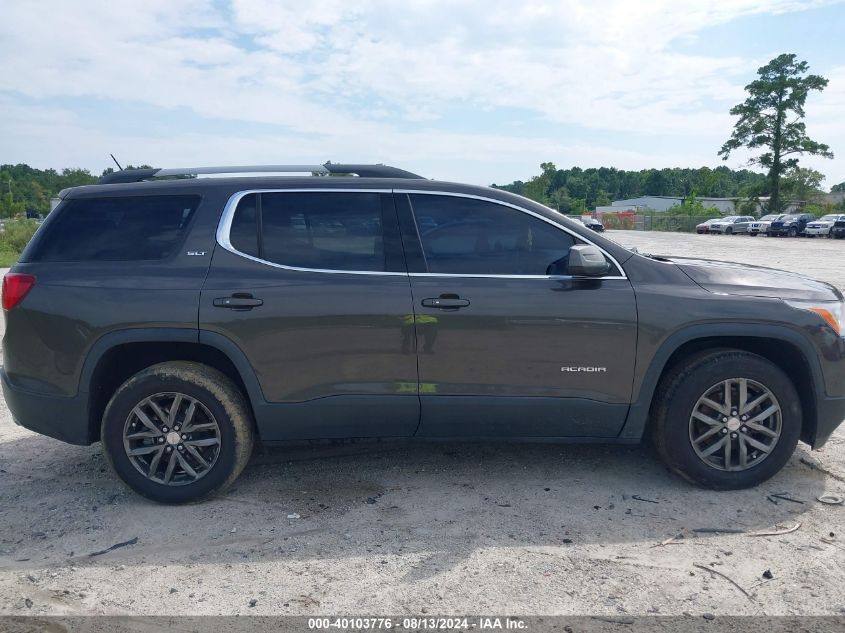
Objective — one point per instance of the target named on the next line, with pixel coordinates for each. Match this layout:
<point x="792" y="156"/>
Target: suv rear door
<point x="311" y="285"/>
<point x="509" y="345"/>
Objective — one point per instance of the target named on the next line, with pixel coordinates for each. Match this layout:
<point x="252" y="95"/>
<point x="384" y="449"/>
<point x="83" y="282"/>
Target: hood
<point x="754" y="281"/>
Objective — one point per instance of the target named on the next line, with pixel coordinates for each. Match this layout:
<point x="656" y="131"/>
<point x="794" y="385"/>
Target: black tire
<point x="213" y="390"/>
<point x="793" y="232"/>
<point x="729" y="231"/>
<point x="752" y="234"/>
<point x="679" y="391"/>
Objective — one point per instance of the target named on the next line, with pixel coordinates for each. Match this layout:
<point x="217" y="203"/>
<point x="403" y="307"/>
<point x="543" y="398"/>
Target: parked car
<point x="592" y="223"/>
<point x="732" y="224"/>
<point x="791" y="225"/>
<point x="181" y="321"/>
<point x="823" y="225"/>
<point x="762" y="225"/>
<point x="704" y="227"/>
<point x="838" y="230"/>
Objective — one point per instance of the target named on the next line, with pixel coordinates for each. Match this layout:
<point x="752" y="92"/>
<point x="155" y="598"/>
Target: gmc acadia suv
<point x="180" y="320"/>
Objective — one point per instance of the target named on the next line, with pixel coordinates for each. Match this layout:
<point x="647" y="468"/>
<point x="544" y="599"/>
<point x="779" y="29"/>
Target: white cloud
<point x="381" y="79"/>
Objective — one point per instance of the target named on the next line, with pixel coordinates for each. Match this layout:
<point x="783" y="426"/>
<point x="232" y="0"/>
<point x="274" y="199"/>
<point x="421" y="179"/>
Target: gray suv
<point x="180" y="320"/>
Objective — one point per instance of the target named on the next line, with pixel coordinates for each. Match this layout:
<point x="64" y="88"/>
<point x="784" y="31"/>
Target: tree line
<point x="25" y="190"/>
<point x="575" y="190"/>
<point x="578" y="190"/>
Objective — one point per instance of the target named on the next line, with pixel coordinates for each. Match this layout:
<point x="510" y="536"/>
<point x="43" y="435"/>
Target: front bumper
<point x="64" y="419"/>
<point x="830" y="414"/>
<point x="810" y="231"/>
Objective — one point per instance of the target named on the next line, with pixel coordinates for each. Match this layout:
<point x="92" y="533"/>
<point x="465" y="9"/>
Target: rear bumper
<point x="64" y="419"/>
<point x="830" y="414"/>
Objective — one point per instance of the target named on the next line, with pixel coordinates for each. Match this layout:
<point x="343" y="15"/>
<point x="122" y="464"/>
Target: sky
<point x="478" y="92"/>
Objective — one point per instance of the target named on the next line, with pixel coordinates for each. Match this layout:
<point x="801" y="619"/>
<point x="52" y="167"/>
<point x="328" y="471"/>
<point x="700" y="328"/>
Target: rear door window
<point x="314" y="230"/>
<point x="114" y="229"/>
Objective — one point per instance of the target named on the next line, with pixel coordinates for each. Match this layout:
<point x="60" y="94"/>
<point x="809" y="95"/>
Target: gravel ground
<point x="431" y="528"/>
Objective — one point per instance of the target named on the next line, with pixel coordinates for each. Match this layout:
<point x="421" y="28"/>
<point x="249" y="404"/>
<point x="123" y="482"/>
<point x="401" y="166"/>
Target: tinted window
<point x="334" y="231"/>
<point x="467" y="236"/>
<point x="115" y="229"/>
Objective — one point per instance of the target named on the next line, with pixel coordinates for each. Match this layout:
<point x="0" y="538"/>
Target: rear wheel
<point x="177" y="432"/>
<point x="726" y="419"/>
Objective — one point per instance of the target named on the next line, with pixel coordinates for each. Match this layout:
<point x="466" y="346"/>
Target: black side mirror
<point x="587" y="261"/>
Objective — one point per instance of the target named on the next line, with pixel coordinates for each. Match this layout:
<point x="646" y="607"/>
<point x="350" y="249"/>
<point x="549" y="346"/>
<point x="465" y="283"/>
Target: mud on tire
<point x="142" y="432"/>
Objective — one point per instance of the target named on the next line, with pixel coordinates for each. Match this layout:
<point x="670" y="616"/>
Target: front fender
<point x="637" y="418"/>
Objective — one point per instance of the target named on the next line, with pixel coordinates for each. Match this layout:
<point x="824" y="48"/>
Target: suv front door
<point x="510" y="345"/>
<point x="311" y="286"/>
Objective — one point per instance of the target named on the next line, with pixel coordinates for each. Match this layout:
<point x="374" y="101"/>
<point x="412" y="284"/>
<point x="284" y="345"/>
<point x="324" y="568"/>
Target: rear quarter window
<point x="114" y="229"/>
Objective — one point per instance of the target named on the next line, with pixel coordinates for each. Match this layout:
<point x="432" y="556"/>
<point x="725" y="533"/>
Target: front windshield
<point x="769" y="217"/>
<point x="829" y="218"/>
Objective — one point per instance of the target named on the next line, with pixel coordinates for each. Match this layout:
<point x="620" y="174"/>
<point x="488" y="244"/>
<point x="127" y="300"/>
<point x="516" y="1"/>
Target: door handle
<point x="238" y="301"/>
<point x="446" y="302"/>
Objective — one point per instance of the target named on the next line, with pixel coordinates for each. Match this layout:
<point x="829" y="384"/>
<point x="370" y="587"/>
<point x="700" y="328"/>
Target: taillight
<point x="15" y="288"/>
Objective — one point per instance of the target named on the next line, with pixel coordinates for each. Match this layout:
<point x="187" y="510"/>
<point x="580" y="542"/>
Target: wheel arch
<point x="118" y="355"/>
<point x="781" y="345"/>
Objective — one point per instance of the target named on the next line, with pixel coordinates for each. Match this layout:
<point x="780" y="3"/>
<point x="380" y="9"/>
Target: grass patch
<point x="13" y="238"/>
<point x="8" y="258"/>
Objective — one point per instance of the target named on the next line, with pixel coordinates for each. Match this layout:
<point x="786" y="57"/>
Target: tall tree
<point x="771" y="118"/>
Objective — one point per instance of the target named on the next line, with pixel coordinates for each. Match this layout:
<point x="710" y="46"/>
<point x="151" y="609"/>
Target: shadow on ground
<point x="59" y="504"/>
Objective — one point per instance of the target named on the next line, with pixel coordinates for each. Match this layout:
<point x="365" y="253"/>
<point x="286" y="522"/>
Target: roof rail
<point x="363" y="171"/>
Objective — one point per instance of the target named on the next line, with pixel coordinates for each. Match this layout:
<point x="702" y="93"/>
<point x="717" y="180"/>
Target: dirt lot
<point x="438" y="529"/>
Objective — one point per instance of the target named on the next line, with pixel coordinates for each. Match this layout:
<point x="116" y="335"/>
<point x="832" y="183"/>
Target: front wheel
<point x="793" y="232"/>
<point x="178" y="431"/>
<point x="726" y="419"/>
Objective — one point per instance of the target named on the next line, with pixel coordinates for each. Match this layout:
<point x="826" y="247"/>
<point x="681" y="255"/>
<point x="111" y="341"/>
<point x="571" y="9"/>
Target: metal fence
<point x="653" y="222"/>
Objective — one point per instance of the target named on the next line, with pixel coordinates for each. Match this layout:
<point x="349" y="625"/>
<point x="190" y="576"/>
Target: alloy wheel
<point x="171" y="438"/>
<point x="735" y="424"/>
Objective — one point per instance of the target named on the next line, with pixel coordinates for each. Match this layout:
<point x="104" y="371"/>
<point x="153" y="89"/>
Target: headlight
<point x="833" y="312"/>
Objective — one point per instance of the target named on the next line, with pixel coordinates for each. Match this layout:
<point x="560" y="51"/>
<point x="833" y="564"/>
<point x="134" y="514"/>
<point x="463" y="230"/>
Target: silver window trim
<point x="224" y="228"/>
